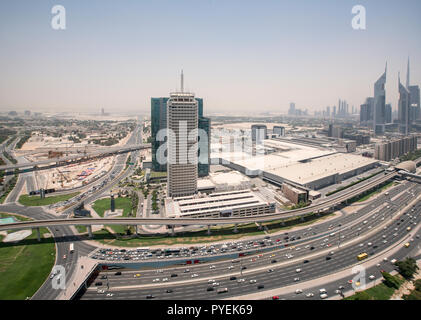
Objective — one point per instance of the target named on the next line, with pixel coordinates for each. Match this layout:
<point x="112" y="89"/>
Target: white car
<point x="215" y="284"/>
<point x="155" y="280"/>
<point x="296" y="279"/>
<point x="369" y="244"/>
<point x="212" y="267"/>
<point x="241" y="280"/>
<point x="211" y="280"/>
<point x="298" y="291"/>
<point x="165" y="280"/>
<point x="253" y="281"/>
<point x="323" y="296"/>
<point x="110" y="294"/>
<point x="298" y="270"/>
<point x="194" y="275"/>
<point x="310" y="294"/>
<point x="372" y="277"/>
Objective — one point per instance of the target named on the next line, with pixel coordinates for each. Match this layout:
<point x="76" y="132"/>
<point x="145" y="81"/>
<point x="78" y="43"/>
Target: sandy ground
<point x="67" y="177"/>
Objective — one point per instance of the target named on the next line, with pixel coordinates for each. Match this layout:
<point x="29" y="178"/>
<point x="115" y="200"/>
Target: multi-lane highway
<point x="372" y="238"/>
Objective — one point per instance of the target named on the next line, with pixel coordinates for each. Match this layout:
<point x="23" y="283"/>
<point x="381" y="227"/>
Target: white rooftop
<point x="320" y="168"/>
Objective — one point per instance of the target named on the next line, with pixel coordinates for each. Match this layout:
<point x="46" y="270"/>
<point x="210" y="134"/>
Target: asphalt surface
<point x="280" y="277"/>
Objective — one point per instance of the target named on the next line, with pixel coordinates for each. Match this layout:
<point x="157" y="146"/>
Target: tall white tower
<point x="182" y="123"/>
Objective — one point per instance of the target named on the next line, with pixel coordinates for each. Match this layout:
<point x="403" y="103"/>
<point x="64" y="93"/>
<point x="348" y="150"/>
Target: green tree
<point x="390" y="280"/>
<point x="407" y="268"/>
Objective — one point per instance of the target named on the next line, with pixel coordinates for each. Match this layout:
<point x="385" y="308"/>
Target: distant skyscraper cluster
<point x="377" y="114"/>
<point x="296" y="112"/>
<point x="342" y="111"/>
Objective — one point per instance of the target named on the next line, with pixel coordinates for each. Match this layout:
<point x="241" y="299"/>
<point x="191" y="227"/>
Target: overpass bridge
<point x="63" y="161"/>
<point x="301" y="212"/>
<point x="410" y="175"/>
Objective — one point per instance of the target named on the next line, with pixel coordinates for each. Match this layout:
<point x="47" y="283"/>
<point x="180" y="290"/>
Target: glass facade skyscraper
<point x="158" y="122"/>
<point x="159" y="110"/>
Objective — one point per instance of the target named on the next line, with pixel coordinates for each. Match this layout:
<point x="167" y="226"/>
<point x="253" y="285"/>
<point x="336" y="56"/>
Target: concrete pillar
<point x="90" y="231"/>
<point x="259" y="225"/>
<point x="283" y="223"/>
<point x="209" y="232"/>
<point x="235" y="228"/>
<point x="302" y="218"/>
<point x="38" y="235"/>
<point x="136" y="230"/>
<point x="173" y="231"/>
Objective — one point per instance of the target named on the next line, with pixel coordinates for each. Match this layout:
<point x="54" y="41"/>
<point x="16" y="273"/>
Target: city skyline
<point x="305" y="53"/>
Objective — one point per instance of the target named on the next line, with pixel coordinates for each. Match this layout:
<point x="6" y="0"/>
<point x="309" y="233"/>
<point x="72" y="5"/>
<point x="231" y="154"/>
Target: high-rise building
<point x="158" y="122"/>
<point x="388" y="113"/>
<point x="182" y="122"/>
<point x="366" y="111"/>
<point x="403" y="109"/>
<point x="279" y="130"/>
<point x="379" y="104"/>
<point x="258" y="133"/>
<point x="414" y="99"/>
<point x="204" y="146"/>
<point x="291" y="110"/>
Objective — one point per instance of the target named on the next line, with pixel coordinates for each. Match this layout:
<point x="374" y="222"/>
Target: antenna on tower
<point x="182" y="81"/>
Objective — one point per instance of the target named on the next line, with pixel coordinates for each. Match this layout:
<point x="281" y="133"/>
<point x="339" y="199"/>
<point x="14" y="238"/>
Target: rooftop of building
<point x="220" y="201"/>
<point x="316" y="169"/>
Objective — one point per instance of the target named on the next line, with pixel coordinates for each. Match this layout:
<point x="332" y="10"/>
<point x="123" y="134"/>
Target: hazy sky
<point x="241" y="56"/>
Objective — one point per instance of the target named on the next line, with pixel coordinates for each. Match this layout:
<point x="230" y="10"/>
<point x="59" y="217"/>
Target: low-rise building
<point x="239" y="203"/>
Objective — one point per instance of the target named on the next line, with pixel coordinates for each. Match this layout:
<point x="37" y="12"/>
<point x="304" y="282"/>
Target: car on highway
<point x="137" y="275"/>
<point x="372" y="277"/>
<point x="222" y="290"/>
<point x="298" y="270"/>
<point x="233" y="278"/>
<point x="149" y="296"/>
<point x="310" y="294"/>
<point x="260" y="286"/>
<point x="296" y="279"/>
<point x="270" y="270"/>
<point x="298" y="291"/>
<point x="169" y="291"/>
<point x="253" y="281"/>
